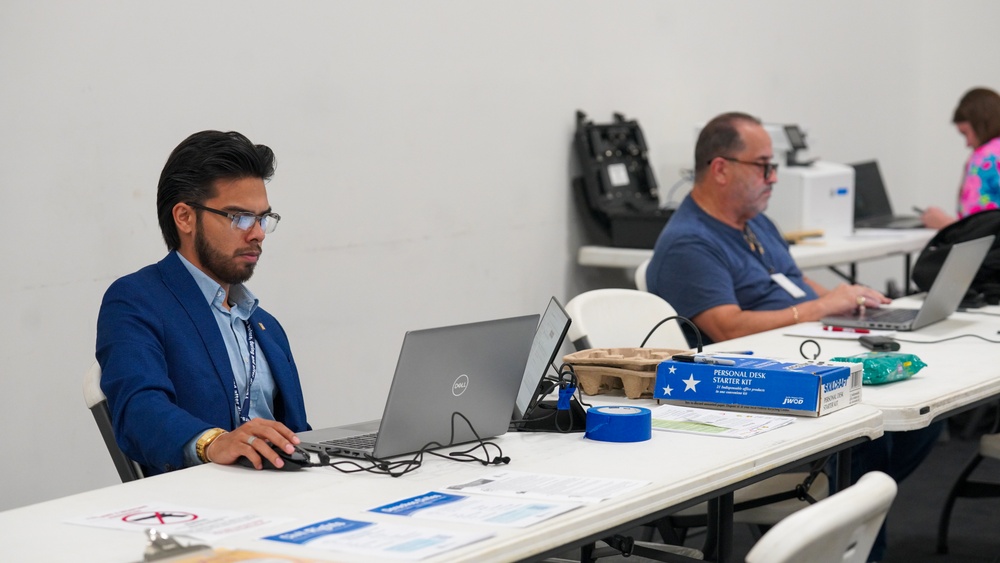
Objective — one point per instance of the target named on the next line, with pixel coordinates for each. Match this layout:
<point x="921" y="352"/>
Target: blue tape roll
<point x="619" y="424"/>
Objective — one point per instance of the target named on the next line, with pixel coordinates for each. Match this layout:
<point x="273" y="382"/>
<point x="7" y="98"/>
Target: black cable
<point x="977" y="312"/>
<point x="565" y="379"/>
<point x="377" y="466"/>
<point x="802" y="350"/>
<point x="572" y="384"/>
<point x="697" y="332"/>
<point x="946" y="339"/>
<point x="541" y="392"/>
<point x="399" y="468"/>
<point x="819" y="350"/>
<point x="579" y="398"/>
<point x="526" y="420"/>
<point x="466" y="456"/>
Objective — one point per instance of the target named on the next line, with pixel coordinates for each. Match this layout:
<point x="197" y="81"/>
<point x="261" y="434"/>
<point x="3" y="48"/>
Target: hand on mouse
<point x="253" y="440"/>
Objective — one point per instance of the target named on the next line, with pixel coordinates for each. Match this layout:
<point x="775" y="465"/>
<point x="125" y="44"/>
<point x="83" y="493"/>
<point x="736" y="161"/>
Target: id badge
<point x="786" y="284"/>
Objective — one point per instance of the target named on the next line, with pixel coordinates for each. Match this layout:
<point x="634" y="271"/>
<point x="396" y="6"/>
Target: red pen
<point x="845" y="329"/>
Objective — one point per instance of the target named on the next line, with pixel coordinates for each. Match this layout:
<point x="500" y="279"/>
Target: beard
<point x="756" y="199"/>
<point x="222" y="267"/>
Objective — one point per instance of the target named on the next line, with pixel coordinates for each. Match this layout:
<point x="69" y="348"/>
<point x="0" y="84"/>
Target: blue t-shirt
<point x="700" y="263"/>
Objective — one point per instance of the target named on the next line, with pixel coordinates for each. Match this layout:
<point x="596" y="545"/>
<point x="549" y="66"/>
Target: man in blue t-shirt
<point x="720" y="262"/>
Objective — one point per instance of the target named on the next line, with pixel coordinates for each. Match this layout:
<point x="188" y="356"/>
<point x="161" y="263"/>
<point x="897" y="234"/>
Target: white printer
<point x="809" y="196"/>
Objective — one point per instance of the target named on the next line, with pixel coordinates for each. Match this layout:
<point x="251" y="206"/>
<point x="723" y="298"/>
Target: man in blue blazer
<point x="193" y="369"/>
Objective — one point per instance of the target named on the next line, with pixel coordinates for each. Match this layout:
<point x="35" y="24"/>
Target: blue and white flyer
<point x="515" y="513"/>
<point x="377" y="538"/>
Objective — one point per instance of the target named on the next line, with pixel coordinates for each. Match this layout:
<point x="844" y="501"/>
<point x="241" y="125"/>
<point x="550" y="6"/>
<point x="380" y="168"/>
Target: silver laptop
<point x="947" y="291"/>
<point x="472" y="369"/>
<point x="548" y="338"/>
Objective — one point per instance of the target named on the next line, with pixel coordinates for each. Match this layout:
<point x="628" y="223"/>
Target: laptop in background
<point x="473" y="369"/>
<point x="548" y="338"/>
<point x="959" y="268"/>
<point x="872" y="209"/>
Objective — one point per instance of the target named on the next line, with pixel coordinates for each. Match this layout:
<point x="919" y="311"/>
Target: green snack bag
<point x="884" y="367"/>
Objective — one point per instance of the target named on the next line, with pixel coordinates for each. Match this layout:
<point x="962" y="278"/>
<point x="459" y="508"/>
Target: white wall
<point x="423" y="154"/>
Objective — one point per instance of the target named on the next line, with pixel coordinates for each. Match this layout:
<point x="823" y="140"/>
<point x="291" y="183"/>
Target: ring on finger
<point x="250" y="440"/>
<point x="861" y="301"/>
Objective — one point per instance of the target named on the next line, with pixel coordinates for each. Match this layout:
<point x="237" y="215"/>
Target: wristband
<point x="206" y="439"/>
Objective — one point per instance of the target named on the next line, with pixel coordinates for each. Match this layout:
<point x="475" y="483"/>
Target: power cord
<point x="569" y="389"/>
<point x="802" y="349"/>
<point x="946" y="339"/>
<point x="819" y="350"/>
<point x="679" y="318"/>
<point x="466" y="455"/>
<point x="977" y="312"/>
<point x="398" y="468"/>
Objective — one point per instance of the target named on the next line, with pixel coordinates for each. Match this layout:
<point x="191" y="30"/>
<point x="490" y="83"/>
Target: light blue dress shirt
<point x="234" y="333"/>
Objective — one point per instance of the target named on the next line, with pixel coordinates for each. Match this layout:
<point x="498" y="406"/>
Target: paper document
<point x="201" y="523"/>
<point x="715" y="422"/>
<point x="476" y="510"/>
<point x="545" y="486"/>
<point x="396" y="541"/>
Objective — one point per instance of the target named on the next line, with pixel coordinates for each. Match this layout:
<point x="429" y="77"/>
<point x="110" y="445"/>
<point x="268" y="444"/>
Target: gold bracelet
<point x="795" y="314"/>
<point x="206" y="439"/>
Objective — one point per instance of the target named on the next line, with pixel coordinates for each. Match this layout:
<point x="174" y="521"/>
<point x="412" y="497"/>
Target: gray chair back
<point x="128" y="470"/>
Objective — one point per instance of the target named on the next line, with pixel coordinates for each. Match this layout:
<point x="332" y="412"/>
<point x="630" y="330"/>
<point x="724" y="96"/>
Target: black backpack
<point x="987" y="281"/>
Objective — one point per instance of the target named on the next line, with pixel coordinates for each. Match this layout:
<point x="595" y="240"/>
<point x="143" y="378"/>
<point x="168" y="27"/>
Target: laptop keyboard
<point x="359" y="442"/>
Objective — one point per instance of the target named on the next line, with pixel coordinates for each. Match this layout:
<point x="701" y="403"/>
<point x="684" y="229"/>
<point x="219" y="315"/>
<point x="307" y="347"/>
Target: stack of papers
<point x="502" y="498"/>
<point x="715" y="422"/>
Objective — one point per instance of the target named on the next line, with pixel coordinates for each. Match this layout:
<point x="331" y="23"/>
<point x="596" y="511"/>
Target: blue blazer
<point x="165" y="368"/>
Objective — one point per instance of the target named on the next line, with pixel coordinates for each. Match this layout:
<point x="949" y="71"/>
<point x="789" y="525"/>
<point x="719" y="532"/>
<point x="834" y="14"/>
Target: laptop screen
<point x="870" y="198"/>
<point x="548" y="337"/>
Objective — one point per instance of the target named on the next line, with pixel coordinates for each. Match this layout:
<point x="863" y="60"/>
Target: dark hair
<point x="718" y="138"/>
<point x="197" y="163"/>
<point x="980" y="107"/>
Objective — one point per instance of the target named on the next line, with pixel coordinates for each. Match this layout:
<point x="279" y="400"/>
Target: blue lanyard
<point x="244" y="409"/>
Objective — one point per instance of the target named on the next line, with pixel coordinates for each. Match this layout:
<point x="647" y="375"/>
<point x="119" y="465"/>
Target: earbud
<point x="501" y="459"/>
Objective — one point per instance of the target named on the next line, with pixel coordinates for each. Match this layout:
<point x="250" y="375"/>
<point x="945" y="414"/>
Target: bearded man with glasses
<point x="723" y="264"/>
<point x="195" y="371"/>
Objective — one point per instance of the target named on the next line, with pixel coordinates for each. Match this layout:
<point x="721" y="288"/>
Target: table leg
<point x="843" y="478"/>
<point x="725" y="528"/>
<point x="906" y="273"/>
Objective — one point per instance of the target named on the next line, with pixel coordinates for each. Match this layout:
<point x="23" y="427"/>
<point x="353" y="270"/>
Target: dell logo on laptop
<point x="460" y="385"/>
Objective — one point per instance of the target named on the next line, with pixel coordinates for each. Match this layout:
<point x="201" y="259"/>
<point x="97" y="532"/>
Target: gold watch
<point x="206" y="439"/>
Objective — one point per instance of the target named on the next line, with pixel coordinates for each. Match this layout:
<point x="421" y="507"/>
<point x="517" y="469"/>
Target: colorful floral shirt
<point x="981" y="185"/>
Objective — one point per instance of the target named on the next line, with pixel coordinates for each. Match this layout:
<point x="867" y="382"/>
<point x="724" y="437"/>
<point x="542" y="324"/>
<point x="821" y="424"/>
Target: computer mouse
<point x="293" y="461"/>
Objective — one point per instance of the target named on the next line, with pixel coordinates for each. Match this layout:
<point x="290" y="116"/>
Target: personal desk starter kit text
<point x="757" y="384"/>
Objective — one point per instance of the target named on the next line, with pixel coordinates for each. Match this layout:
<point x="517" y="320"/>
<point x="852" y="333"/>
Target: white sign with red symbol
<point x="201" y="523"/>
